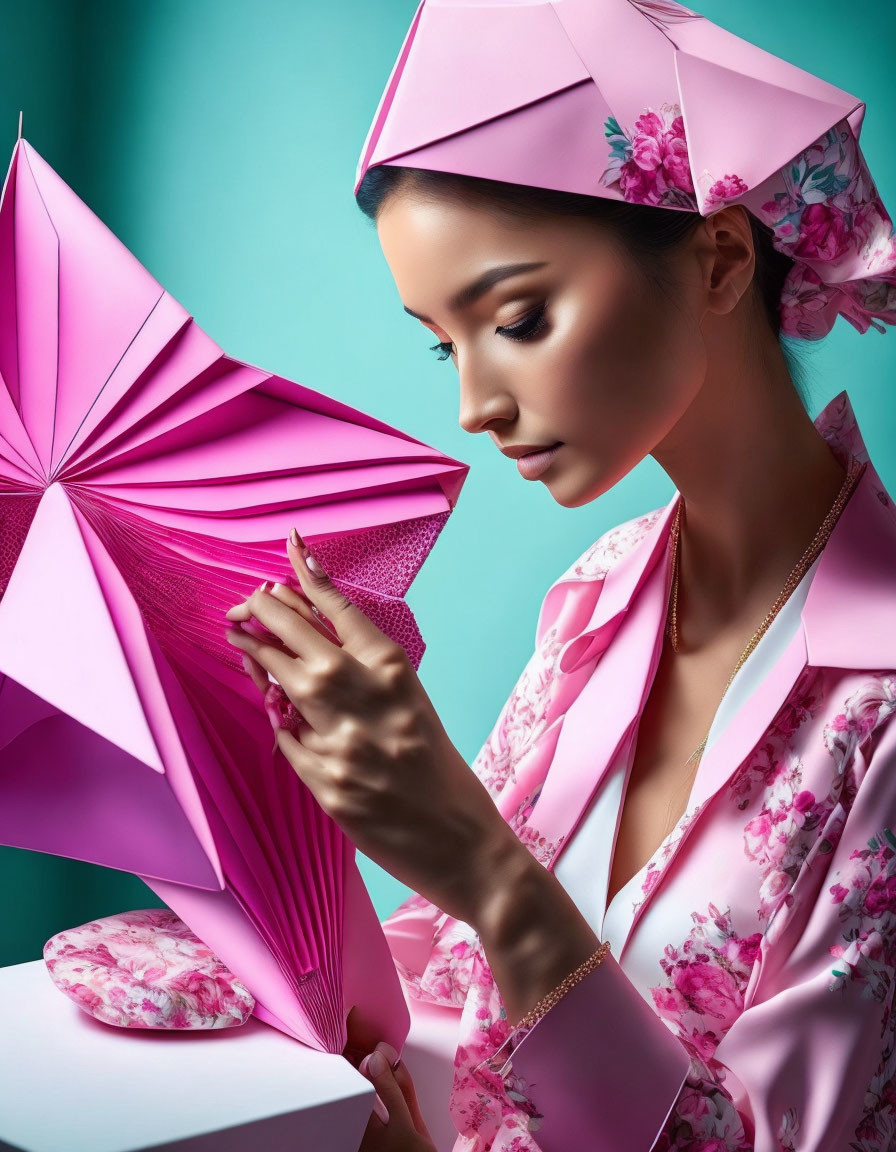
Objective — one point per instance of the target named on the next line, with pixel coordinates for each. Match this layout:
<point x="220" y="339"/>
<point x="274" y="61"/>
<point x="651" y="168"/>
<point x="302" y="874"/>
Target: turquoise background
<point x="218" y="139"/>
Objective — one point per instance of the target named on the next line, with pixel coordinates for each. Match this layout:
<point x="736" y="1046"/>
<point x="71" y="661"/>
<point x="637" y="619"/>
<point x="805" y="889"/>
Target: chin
<point x="578" y="496"/>
<point x="573" y="498"/>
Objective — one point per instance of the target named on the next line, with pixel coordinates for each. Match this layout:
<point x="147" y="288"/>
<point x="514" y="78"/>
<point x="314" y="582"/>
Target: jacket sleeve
<point x="809" y="1065"/>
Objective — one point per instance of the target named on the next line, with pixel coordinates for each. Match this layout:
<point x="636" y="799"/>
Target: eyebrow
<point x="469" y="295"/>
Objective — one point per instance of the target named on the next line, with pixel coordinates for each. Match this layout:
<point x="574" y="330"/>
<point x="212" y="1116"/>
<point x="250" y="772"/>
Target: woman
<point x="664" y="902"/>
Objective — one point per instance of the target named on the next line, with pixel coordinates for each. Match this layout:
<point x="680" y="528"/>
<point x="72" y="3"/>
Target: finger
<point x="406" y="1084"/>
<point x="272" y="659"/>
<point x="288" y="626"/>
<point x="310" y="611"/>
<point x="256" y="672"/>
<point x="242" y="612"/>
<point x="310" y="769"/>
<point x="354" y="628"/>
<point x="254" y="627"/>
<point x="375" y="1067"/>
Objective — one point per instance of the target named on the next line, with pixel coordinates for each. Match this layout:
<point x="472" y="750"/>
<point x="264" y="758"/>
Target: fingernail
<point x="294" y="537"/>
<point x="313" y="564"/>
<point x="376" y="1064"/>
<point x="266" y="587"/>
<point x="380" y="1108"/>
<point x="389" y="1052"/>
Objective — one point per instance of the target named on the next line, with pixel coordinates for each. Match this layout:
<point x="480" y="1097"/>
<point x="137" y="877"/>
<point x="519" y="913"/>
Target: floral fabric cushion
<point x="146" y="969"/>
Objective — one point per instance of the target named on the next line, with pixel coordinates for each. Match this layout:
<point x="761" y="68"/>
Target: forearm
<point x="532" y="932"/>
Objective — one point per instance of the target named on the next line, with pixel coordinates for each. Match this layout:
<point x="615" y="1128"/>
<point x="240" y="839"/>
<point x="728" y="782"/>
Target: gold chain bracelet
<point x="547" y="1002"/>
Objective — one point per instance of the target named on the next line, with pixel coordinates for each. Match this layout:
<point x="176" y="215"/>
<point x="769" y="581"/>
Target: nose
<point x="483" y="400"/>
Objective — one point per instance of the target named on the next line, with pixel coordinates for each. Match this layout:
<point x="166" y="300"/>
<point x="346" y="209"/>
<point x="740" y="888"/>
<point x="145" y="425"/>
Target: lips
<point x="537" y="451"/>
<point x="532" y="464"/>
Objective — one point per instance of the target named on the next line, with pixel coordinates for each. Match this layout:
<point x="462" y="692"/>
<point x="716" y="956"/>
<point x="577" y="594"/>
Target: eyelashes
<point x="526" y="329"/>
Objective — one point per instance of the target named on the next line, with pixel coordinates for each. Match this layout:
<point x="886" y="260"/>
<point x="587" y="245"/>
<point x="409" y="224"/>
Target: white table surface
<point x="70" y="1083"/>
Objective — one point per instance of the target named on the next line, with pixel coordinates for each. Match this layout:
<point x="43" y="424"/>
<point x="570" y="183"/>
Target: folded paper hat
<point x="649" y="102"/>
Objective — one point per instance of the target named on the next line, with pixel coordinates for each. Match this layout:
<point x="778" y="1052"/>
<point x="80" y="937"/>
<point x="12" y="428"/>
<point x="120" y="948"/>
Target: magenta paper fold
<point x="147" y="483"/>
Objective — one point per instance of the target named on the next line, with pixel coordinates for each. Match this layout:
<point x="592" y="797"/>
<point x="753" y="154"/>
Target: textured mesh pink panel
<point x="16" y="514"/>
<point x="387" y="558"/>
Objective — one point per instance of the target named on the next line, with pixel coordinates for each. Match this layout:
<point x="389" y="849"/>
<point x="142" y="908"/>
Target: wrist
<point x="532" y="932"/>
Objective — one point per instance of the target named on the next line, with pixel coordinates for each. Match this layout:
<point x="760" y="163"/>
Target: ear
<point x="732" y="258"/>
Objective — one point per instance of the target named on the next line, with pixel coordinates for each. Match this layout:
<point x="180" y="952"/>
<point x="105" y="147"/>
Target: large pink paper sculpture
<point x="147" y="484"/>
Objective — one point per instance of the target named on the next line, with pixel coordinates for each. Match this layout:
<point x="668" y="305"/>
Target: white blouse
<point x="583" y="867"/>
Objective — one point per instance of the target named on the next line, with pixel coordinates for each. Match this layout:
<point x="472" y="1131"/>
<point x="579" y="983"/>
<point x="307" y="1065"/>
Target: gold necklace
<point x="854" y="471"/>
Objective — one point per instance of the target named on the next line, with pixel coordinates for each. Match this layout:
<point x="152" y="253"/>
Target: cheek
<point x="635" y="367"/>
<point x="622" y="377"/>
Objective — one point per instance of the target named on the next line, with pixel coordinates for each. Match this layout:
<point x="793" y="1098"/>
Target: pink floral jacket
<point x="771" y="1024"/>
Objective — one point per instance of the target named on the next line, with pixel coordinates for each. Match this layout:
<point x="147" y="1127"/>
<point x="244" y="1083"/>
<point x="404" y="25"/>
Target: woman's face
<point x="579" y="348"/>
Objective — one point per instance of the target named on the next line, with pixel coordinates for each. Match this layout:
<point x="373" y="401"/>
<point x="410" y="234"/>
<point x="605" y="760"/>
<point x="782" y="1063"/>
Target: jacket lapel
<point x="848" y="621"/>
<point x="609" y="681"/>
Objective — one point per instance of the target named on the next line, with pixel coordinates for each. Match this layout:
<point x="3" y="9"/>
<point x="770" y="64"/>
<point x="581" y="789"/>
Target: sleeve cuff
<point x="600" y="1067"/>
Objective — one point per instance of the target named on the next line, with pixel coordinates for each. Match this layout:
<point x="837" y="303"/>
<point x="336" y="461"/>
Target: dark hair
<point x="646" y="232"/>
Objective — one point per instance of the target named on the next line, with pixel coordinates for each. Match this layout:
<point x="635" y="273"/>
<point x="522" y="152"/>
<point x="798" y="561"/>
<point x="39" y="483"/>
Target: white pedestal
<point x="69" y="1083"/>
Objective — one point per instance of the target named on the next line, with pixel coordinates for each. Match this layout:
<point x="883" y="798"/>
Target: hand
<point x="403" y="1129"/>
<point x="371" y="747"/>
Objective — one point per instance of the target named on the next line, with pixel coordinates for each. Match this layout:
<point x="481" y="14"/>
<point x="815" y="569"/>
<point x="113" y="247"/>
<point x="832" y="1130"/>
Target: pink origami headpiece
<point x="649" y="102"/>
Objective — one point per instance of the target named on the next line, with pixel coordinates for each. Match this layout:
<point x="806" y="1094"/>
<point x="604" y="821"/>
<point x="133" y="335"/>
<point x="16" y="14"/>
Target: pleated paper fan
<point x="147" y="483"/>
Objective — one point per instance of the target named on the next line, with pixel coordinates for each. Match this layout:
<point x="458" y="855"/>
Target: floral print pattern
<point x="146" y="969"/>
<point x="865" y="894"/>
<point x="597" y="560"/>
<point x="791" y="822"/>
<point x="521" y="721"/>
<point x="704" y="1118"/>
<point x="822" y="207"/>
<point x="866" y="897"/>
<point x="650" y="164"/>
<point x="665" y="852"/>
<point x="706" y="978"/>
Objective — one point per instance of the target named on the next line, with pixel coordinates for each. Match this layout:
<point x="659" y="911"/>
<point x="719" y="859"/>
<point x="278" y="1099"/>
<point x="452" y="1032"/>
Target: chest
<point x="677" y="715"/>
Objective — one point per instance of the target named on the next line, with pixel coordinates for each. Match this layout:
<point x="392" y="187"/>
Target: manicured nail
<point x="368" y="1067"/>
<point x="313" y="564"/>
<point x="294" y="537"/>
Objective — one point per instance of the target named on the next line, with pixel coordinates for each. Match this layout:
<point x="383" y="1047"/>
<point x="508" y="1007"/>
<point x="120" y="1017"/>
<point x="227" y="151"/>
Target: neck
<point x="757" y="480"/>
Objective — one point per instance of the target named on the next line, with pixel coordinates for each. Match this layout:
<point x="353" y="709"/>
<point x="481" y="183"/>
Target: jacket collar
<point x="849" y="616"/>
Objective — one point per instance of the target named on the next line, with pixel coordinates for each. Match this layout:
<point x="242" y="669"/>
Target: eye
<point x="443" y="349"/>
<point x="528" y="327"/>
<point x="525" y="329"/>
